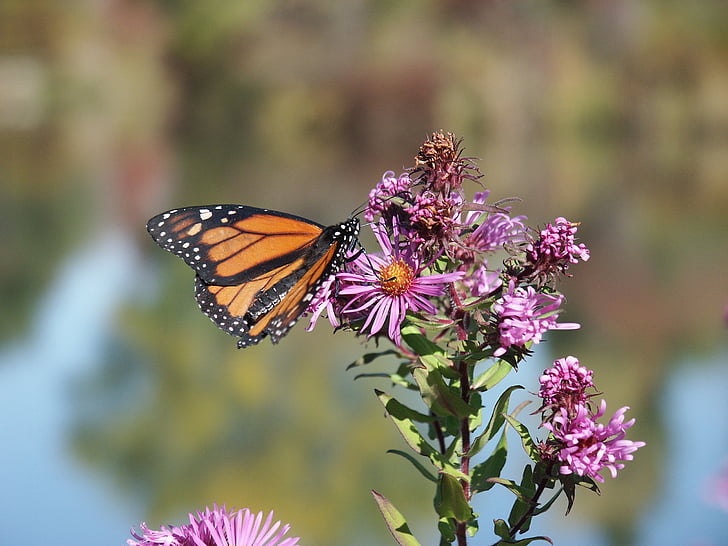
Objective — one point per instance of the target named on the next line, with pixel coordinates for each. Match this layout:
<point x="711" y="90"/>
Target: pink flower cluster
<point x="556" y="248"/>
<point x="524" y="315"/>
<point x="434" y="259"/>
<point x="582" y="444"/>
<point x="568" y="381"/>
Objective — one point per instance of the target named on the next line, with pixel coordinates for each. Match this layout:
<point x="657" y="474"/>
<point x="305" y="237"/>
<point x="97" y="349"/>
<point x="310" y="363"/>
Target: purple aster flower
<point x="524" y="315"/>
<point x="324" y="300"/>
<point x="565" y="384"/>
<point x="495" y="231"/>
<point x="472" y="216"/>
<point x="487" y="232"/>
<point x="381" y="289"/>
<point x="218" y="527"/>
<point x="586" y="447"/>
<point x="555" y="248"/>
<point x="380" y="198"/>
<point x="327" y="298"/>
<point x="482" y="281"/>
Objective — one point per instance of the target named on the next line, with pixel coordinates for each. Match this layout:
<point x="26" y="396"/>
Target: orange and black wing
<point x="257" y="270"/>
<point x="232" y="244"/>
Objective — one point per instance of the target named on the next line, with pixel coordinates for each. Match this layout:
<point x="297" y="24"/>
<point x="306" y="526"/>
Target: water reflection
<point x="48" y="498"/>
<point x="693" y="409"/>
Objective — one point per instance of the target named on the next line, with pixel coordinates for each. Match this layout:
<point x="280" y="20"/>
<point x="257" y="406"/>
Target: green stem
<point x="460" y="531"/>
<point x="533" y="504"/>
<point x="439" y="435"/>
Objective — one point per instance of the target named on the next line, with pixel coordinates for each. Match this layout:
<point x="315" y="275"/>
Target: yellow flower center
<point x="396" y="278"/>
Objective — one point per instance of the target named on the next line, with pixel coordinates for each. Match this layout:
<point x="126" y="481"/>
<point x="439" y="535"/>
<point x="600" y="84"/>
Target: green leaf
<point x="417" y="342"/>
<point x="500" y="528"/>
<point x="527" y="483"/>
<point x="455" y="447"/>
<point x="430" y="354"/>
<point x="588" y="483"/>
<point x="400" y="377"/>
<point x="437" y="322"/>
<point x="452" y="501"/>
<point x="524" y="501"/>
<point x="370" y="375"/>
<point x="370" y="357"/>
<point x="404" y="425"/>
<point x="528" y="445"/>
<point x="491" y="467"/>
<point x="473" y="301"/>
<point x="512" y="486"/>
<point x="441" y="363"/>
<point x="398" y="410"/>
<point x="474" y="356"/>
<point x="529" y="540"/>
<point x="540" y="474"/>
<point x="448" y="468"/>
<point x="472" y="527"/>
<point x="395" y="521"/>
<point x="439" y="397"/>
<point x="492" y="376"/>
<point x="523" y="541"/>
<point x="541" y="509"/>
<point x="569" y="483"/>
<point x="449" y="426"/>
<point x="476" y="411"/>
<point x="414" y="439"/>
<point x="496" y="421"/>
<point x="570" y="492"/>
<point x="517" y="354"/>
<point x="417" y="464"/>
<point x="446" y="526"/>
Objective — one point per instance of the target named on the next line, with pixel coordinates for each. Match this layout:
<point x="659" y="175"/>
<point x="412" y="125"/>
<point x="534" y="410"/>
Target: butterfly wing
<point x="231" y="244"/>
<point x="257" y="270"/>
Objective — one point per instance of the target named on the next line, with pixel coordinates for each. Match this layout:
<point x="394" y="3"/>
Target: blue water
<point x="47" y="498"/>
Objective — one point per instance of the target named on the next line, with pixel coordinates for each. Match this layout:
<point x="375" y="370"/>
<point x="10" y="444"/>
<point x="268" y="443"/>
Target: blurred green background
<point x="120" y="402"/>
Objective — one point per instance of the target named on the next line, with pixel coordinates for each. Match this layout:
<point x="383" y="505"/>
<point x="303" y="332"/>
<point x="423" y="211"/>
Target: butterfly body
<point x="257" y="269"/>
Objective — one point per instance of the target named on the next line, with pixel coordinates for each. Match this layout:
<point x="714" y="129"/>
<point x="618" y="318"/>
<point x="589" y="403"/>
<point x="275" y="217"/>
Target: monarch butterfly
<point x="257" y="269"/>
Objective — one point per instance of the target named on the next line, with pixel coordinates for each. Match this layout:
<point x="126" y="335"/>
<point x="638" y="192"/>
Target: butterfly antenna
<point x="359" y="209"/>
<point x="362" y="207"/>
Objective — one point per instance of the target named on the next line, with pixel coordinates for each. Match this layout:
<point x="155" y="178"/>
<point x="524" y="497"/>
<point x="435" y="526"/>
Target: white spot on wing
<point x="205" y="214"/>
